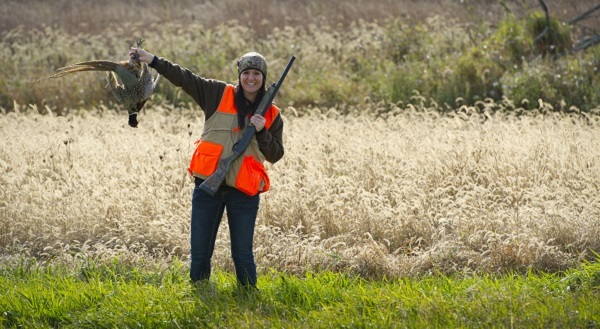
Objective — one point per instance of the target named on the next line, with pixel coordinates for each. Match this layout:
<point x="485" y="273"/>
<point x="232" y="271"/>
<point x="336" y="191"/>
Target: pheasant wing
<point x="147" y="81"/>
<point x="128" y="78"/>
<point x="117" y="89"/>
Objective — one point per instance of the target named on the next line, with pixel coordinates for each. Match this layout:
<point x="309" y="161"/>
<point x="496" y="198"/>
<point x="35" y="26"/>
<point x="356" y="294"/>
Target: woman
<point x="228" y="110"/>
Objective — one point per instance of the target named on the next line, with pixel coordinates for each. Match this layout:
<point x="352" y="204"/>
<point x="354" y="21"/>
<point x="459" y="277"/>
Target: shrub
<point x="384" y="61"/>
<point x="563" y="83"/>
<point x="556" y="39"/>
<point x="511" y="42"/>
<point x="528" y="85"/>
<point x="475" y="77"/>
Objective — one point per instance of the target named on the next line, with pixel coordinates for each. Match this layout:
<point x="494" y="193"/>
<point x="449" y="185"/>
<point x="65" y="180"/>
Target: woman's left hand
<point x="258" y="121"/>
<point x="143" y="56"/>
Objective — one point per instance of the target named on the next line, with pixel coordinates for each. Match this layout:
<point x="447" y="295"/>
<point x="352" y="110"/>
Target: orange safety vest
<point x="221" y="131"/>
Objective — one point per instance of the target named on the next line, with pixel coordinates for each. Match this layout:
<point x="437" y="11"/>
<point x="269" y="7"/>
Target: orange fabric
<point x="206" y="158"/>
<point x="270" y="116"/>
<point x="227" y="104"/>
<point x="250" y="177"/>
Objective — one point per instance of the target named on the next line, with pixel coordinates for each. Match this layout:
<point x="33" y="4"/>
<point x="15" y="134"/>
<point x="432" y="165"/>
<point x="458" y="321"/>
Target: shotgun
<point x="214" y="181"/>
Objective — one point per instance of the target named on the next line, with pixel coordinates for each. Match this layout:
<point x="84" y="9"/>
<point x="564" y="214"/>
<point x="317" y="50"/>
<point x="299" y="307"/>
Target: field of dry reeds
<point x="376" y="179"/>
<point x="413" y="193"/>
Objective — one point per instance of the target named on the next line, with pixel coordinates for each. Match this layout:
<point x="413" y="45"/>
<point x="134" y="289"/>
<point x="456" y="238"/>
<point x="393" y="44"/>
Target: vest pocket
<point x="252" y="177"/>
<point x="206" y="158"/>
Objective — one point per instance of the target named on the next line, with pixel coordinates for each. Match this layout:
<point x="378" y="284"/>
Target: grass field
<point x="117" y="295"/>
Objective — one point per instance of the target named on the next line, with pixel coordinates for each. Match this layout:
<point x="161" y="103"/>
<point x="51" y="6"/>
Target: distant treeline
<point x="520" y="60"/>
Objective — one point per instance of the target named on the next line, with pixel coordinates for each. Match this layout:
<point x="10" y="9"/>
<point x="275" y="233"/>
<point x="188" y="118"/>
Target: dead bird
<point x="136" y="81"/>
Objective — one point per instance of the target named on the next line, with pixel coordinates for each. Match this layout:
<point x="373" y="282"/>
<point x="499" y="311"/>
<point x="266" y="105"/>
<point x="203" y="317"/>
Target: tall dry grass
<point x="410" y="193"/>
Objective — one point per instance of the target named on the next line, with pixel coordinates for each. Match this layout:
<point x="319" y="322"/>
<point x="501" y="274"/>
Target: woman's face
<point x="251" y="81"/>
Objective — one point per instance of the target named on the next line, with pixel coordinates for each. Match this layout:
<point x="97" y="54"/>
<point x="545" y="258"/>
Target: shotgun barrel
<point x="214" y="181"/>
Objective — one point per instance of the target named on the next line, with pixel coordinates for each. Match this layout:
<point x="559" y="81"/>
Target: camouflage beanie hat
<point x="252" y="60"/>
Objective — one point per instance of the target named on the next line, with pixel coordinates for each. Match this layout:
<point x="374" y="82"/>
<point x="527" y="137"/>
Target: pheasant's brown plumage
<point x="137" y="82"/>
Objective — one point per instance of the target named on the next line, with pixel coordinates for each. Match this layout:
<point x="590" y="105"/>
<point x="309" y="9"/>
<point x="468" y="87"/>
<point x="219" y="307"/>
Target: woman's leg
<point x="242" y="210"/>
<point x="207" y="212"/>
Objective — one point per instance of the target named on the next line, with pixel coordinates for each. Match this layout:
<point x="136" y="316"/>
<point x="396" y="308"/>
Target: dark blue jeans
<point x="207" y="212"/>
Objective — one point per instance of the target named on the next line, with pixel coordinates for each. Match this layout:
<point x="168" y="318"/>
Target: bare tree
<point x="545" y="31"/>
<point x="583" y="15"/>
<point x="587" y="41"/>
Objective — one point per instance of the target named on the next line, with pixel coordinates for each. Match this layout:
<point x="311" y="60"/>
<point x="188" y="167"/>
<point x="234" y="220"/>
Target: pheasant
<point x="138" y="83"/>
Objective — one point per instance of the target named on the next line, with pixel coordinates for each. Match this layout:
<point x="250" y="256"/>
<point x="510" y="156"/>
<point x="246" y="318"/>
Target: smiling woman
<point x="228" y="111"/>
<point x="251" y="81"/>
<point x="252" y="72"/>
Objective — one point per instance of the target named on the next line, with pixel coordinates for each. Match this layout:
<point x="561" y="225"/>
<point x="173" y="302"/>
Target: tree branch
<point x="587" y="42"/>
<point x="541" y="35"/>
<point x="583" y="15"/>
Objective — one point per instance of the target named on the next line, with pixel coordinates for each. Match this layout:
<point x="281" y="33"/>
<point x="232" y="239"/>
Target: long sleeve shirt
<point x="207" y="93"/>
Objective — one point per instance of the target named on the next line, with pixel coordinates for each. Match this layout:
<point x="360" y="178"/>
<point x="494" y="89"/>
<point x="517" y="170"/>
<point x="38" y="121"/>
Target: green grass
<point x="116" y="294"/>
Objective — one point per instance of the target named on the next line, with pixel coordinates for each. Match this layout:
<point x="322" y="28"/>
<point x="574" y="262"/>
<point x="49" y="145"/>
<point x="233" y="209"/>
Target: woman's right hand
<point x="144" y="56"/>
